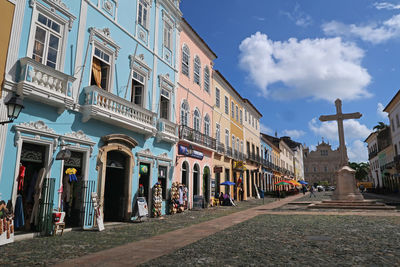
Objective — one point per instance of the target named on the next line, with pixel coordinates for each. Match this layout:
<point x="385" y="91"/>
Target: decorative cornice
<point x="79" y="135"/>
<point x="104" y="35"/>
<point x="36" y="126"/>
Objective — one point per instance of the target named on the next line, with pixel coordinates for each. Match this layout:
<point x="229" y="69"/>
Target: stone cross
<point x="339" y="117"/>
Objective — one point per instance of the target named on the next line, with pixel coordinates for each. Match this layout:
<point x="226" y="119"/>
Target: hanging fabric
<point x="19" y="213"/>
<point x="96" y="71"/>
<point x="37" y="196"/>
<point x="20" y="179"/>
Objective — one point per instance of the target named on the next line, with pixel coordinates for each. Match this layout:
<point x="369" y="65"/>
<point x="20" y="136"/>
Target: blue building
<point x="98" y="78"/>
<point x="267" y="169"/>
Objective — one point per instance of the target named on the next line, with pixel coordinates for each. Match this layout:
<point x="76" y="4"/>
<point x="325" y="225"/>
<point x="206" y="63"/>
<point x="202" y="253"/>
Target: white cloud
<point x="326" y="68"/>
<point x="375" y="32"/>
<point x="265" y="129"/>
<point x="293" y="133"/>
<point x="386" y="5"/>
<point x="357" y="151"/>
<point x="299" y="17"/>
<point x="259" y="18"/>
<point x="353" y="129"/>
<point x="313" y="148"/>
<point x="380" y="112"/>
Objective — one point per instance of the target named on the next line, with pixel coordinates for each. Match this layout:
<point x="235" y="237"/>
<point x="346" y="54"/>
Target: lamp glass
<point x="14" y="107"/>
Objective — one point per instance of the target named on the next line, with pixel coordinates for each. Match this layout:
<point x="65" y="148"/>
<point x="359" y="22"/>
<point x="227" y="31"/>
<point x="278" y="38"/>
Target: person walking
<point x="312" y="191"/>
<point x="304" y="189"/>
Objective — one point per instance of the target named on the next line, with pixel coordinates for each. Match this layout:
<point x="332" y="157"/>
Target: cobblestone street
<point x="50" y="250"/>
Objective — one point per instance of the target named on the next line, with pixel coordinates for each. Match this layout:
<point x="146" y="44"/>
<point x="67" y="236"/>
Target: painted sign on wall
<point x="189" y="152"/>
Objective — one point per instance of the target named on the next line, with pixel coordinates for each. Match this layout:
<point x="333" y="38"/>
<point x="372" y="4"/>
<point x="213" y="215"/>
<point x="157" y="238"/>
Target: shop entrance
<point x="144" y="181"/>
<point x="32" y="167"/>
<point x="115" y="182"/>
<point x="196" y="180"/>
<point x="72" y="189"/>
<point x="206" y="184"/>
<point x="248" y="183"/>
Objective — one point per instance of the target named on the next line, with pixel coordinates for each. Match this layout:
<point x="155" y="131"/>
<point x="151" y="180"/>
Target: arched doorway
<point x="115" y="162"/>
<point x="206" y="184"/>
<point x="115" y="182"/>
<point x="196" y="179"/>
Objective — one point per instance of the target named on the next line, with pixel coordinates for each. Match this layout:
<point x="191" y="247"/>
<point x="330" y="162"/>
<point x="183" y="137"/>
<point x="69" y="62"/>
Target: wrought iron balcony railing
<point x="197" y="137"/>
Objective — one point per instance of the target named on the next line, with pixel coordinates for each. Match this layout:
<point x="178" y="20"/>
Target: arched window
<point x="207" y="125"/>
<point x="196" y="70"/>
<point x="196" y="120"/>
<point x="207" y="79"/>
<point x="184" y="113"/>
<point x="185" y="60"/>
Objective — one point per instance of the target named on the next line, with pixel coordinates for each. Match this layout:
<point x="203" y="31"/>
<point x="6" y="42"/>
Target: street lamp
<point x="14" y="107"/>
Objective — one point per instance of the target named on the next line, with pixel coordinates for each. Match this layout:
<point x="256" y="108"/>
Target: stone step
<point x="356" y="207"/>
<point x="353" y="203"/>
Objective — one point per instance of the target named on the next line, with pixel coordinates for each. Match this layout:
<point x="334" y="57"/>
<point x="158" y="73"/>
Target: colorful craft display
<point x="6" y="223"/>
<point x="178" y="198"/>
<point x="157" y="200"/>
<point x="72" y="174"/>
<point x="143" y="169"/>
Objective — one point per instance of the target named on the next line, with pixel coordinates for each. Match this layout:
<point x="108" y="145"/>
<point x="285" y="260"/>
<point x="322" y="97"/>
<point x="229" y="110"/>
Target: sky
<point x="292" y="59"/>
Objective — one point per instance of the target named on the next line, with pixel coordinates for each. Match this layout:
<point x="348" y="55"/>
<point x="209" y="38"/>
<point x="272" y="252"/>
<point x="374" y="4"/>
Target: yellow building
<point x="251" y="130"/>
<point x="228" y="130"/>
<point x="6" y="21"/>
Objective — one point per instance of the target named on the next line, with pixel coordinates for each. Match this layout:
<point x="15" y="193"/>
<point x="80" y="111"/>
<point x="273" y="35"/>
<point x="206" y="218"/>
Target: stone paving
<point x="51" y="250"/>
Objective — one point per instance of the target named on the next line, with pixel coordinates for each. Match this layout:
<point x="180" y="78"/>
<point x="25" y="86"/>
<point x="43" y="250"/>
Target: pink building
<point x="194" y="115"/>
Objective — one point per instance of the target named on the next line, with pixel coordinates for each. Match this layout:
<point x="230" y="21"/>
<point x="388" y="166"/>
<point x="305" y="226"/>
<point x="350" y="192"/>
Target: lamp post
<point x="14" y="107"/>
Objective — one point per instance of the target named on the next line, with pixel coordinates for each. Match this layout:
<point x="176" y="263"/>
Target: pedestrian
<point x="304" y="189"/>
<point x="312" y="191"/>
<point x="278" y="193"/>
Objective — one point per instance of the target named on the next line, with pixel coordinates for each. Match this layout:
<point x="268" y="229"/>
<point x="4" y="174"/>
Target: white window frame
<point x="140" y="3"/>
<point x="227" y="138"/>
<point x="226" y="105"/>
<point x="183" y="61"/>
<point x="197" y="120"/>
<point x="237" y="112"/>
<point x="207" y="79"/>
<point x="232" y="110"/>
<point x="207" y="125"/>
<point x="167" y="86"/>
<point x="241" y="117"/>
<point x="217" y="97"/>
<point x="218" y="133"/>
<point x="185" y="112"/>
<point x="196" y="70"/>
<point x="233" y="143"/>
<point x="167" y="32"/>
<point x="65" y="27"/>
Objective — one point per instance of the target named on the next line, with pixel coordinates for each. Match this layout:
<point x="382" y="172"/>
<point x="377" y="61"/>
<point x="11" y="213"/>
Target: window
<point x="226" y="138"/>
<point x="217" y="132"/>
<point x="326" y="169"/>
<point x="196" y="70"/>
<point x="143" y="13"/>
<point x="162" y="179"/>
<point x="256" y="124"/>
<point x="164" y="104"/>
<point x="100" y="69"/>
<point x="217" y="97"/>
<point x="237" y="113"/>
<point x="245" y="115"/>
<point x="138" y="84"/>
<point x="167" y="35"/>
<point x="207" y="79"/>
<point x="207" y="125"/>
<point x="185" y="60"/>
<point x="241" y="117"/>
<point x="46" y="47"/>
<point x="397" y="121"/>
<point x="241" y="146"/>
<point x="233" y="143"/>
<point x="184" y="113"/>
<point x="237" y="144"/>
<point x="232" y="110"/>
<point x="226" y="105"/>
<point x="196" y="120"/>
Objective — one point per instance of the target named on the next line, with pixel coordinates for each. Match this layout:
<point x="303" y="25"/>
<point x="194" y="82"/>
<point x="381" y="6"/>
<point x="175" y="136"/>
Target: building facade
<point x="194" y="106"/>
<point x="99" y="82"/>
<point x="372" y="144"/>
<point x="321" y="164"/>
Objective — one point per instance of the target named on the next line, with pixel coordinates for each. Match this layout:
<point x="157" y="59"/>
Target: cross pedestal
<point x="346" y="187"/>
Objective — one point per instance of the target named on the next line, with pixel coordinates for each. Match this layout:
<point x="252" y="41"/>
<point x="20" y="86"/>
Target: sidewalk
<point x="142" y="251"/>
<point x="385" y="197"/>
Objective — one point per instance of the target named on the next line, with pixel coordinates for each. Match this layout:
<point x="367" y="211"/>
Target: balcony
<point x="45" y="85"/>
<point x="220" y="148"/>
<point x="107" y="107"/>
<point x="372" y="154"/>
<point x="196" y="137"/>
<point x="228" y="152"/>
<point x="167" y="131"/>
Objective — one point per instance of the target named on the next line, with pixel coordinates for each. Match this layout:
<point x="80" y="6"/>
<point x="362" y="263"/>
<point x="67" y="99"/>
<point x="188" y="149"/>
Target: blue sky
<point x="292" y="59"/>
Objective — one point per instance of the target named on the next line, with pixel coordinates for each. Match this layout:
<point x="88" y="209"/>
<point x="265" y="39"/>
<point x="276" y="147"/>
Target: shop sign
<point x="217" y="169"/>
<point x="197" y="202"/>
<point x="142" y="207"/>
<point x="189" y="152"/>
<point x="238" y="164"/>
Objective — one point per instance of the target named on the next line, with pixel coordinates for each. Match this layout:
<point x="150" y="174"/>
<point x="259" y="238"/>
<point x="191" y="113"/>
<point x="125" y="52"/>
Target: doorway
<point x="144" y="181"/>
<point x="115" y="183"/>
<point x="196" y="180"/>
<point x="248" y="183"/>
<point x="206" y="184"/>
<point x="72" y="190"/>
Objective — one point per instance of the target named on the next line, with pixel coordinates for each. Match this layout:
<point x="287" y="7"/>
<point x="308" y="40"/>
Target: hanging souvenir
<point x="72" y="174"/>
